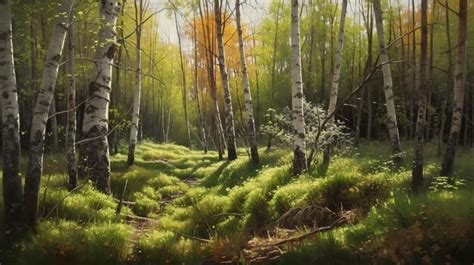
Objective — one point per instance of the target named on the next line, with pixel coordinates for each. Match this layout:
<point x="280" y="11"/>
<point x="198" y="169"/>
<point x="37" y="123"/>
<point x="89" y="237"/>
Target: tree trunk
<point x="94" y="152"/>
<point x="417" y="173"/>
<point x="210" y="52"/>
<point x="54" y="125"/>
<point x="336" y="77"/>
<point x="458" y="95"/>
<point x="202" y="123"/>
<point x="40" y="117"/>
<point x="229" y="112"/>
<point x="71" y="111"/>
<point x="388" y="87"/>
<point x="252" y="134"/>
<point x="275" y="46"/>
<point x="450" y="83"/>
<point x="369" y="28"/>
<point x="138" y="84"/>
<point x="299" y="144"/>
<point x="10" y="119"/>
<point x="183" y="83"/>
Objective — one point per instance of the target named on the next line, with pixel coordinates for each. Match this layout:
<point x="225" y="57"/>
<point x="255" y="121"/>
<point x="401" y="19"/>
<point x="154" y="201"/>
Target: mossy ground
<point x="187" y="207"/>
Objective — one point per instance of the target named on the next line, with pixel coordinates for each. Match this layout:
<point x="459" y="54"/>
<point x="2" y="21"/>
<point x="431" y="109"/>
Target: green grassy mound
<point x="186" y="207"/>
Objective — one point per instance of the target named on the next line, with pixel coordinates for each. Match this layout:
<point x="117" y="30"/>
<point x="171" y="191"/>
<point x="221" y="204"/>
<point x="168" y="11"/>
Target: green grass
<point x="194" y="198"/>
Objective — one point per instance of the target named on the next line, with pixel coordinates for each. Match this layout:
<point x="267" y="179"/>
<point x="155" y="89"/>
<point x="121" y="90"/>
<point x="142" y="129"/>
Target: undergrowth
<point x="205" y="209"/>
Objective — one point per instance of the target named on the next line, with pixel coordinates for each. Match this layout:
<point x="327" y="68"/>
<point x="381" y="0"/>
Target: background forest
<point x="240" y="131"/>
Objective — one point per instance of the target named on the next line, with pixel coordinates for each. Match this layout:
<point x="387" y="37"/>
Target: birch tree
<point x="388" y="87"/>
<point x="94" y="151"/>
<point x="447" y="167"/>
<point x="10" y="119"/>
<point x="202" y="122"/>
<point x="183" y="82"/>
<point x="299" y="144"/>
<point x="336" y="76"/>
<point x="252" y="134"/>
<point x="71" y="110"/>
<point x="417" y="173"/>
<point x="210" y="54"/>
<point x="138" y="84"/>
<point x="40" y="116"/>
<point x="229" y="112"/>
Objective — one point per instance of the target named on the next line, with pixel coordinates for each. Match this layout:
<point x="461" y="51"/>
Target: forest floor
<point x="181" y="206"/>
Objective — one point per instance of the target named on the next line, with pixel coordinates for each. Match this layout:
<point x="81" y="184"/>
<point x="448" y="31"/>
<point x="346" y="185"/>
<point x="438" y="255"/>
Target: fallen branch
<point x="304" y="236"/>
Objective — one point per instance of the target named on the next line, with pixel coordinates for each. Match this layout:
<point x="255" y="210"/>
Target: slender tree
<point x="417" y="173"/>
<point x="388" y="87"/>
<point x="94" y="150"/>
<point x="450" y="80"/>
<point x="71" y="109"/>
<point x="40" y="116"/>
<point x="252" y="134"/>
<point x="299" y="144"/>
<point x="447" y="167"/>
<point x="202" y="122"/>
<point x="210" y="54"/>
<point x="138" y="83"/>
<point x="274" y="65"/>
<point x="336" y="76"/>
<point x="183" y="82"/>
<point x="229" y="111"/>
<point x="10" y="119"/>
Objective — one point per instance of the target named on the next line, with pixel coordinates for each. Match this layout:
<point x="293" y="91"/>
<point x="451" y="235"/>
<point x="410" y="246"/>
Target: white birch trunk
<point x="229" y="112"/>
<point x="71" y="113"/>
<point x="418" y="163"/>
<point x="94" y="152"/>
<point x="10" y="119"/>
<point x="40" y="116"/>
<point x="299" y="144"/>
<point x="459" y="91"/>
<point x="138" y="86"/>
<point x="336" y="77"/>
<point x="183" y="83"/>
<point x="252" y="134"/>
<point x="388" y="87"/>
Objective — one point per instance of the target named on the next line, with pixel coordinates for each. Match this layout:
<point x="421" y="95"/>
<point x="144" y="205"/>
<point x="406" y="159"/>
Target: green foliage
<point x="67" y="242"/>
<point x="230" y="202"/>
<point x="164" y="247"/>
<point x="329" y="249"/>
<point x="279" y="125"/>
<point x="84" y="205"/>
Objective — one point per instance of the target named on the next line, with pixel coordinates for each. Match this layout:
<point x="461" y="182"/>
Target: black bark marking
<point x="111" y="51"/>
<point x="5" y="95"/>
<point x="4" y="35"/>
<point x="56" y="57"/>
<point x="91" y="109"/>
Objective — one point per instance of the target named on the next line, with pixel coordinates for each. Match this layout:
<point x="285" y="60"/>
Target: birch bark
<point x="138" y="85"/>
<point x="447" y="167"/>
<point x="94" y="152"/>
<point x="71" y="107"/>
<point x="229" y="111"/>
<point x="299" y="144"/>
<point x="417" y="173"/>
<point x="40" y="116"/>
<point x="388" y="87"/>
<point x="10" y="119"/>
<point x="252" y="134"/>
